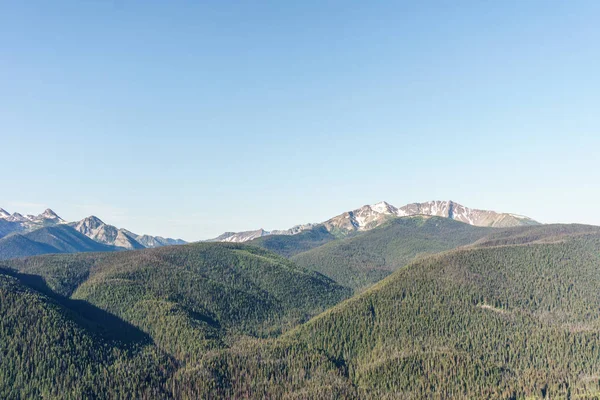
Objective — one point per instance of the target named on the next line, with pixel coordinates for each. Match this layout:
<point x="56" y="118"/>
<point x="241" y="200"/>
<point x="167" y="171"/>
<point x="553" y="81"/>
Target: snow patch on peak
<point x="48" y="213"/>
<point x="383" y="208"/>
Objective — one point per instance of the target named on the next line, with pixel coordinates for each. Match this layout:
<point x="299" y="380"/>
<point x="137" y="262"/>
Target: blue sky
<point x="189" y="119"/>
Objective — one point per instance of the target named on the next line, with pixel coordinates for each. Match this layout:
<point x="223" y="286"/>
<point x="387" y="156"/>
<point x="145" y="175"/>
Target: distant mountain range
<point x="55" y="239"/>
<point x="370" y="216"/>
<point x="91" y="227"/>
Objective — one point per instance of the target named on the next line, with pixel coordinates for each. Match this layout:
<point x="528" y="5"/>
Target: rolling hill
<point x="192" y="297"/>
<point x="51" y="350"/>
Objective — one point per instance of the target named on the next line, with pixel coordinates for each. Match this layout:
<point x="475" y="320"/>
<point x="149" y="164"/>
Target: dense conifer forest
<point x="366" y="258"/>
<point x="509" y="313"/>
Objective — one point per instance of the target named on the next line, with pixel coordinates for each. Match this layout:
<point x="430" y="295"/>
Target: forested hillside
<point x="51" y="351"/>
<point x="503" y="322"/>
<point x="513" y="316"/>
<point x="368" y="257"/>
<point x="289" y="245"/>
<point x="193" y="297"/>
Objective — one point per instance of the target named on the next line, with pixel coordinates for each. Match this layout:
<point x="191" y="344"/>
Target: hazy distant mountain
<point x="370" y="216"/>
<point x="245" y="236"/>
<point x="92" y="227"/>
<point x="154" y="241"/>
<point x="16" y="222"/>
<point x="8" y="227"/>
<point x="50" y="239"/>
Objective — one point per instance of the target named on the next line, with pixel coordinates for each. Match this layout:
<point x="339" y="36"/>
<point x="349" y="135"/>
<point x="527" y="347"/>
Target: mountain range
<point x="91" y="227"/>
<point x="370" y="216"/>
<point x="49" y="240"/>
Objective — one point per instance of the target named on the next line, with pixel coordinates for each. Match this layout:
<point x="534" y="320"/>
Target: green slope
<point x="510" y="321"/>
<point x="364" y="259"/>
<point x="193" y="297"/>
<point x="289" y="245"/>
<point x="49" y="352"/>
<point x="513" y="316"/>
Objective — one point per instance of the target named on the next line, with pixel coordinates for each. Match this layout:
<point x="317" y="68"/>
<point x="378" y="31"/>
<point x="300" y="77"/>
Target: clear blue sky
<point x="188" y="119"/>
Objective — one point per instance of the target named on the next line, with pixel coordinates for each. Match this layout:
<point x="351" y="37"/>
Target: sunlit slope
<point x="504" y="322"/>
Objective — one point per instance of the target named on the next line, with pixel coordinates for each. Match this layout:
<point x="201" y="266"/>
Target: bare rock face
<point x="94" y="228"/>
<point x="458" y="212"/>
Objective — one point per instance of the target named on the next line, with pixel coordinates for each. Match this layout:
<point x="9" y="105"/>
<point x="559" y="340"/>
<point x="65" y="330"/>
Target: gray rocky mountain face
<point x="370" y="216"/>
<point x="92" y="227"/>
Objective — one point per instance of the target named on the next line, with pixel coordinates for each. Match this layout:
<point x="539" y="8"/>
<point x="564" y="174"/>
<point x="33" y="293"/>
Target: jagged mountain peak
<point x="16" y="217"/>
<point x="383" y="207"/>
<point x="92" y="220"/>
<point x="92" y="227"/>
<point x="49" y="214"/>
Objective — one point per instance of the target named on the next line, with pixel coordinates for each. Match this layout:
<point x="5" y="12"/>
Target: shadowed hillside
<point x="190" y="298"/>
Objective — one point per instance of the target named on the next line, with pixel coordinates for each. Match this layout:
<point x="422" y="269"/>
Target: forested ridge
<point x="290" y="245"/>
<point x="366" y="258"/>
<point x="514" y="315"/>
<point x="503" y="322"/>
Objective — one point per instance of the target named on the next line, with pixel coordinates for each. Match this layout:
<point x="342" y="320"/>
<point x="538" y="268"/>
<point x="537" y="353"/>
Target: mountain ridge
<point x="92" y="227"/>
<point x="49" y="240"/>
<point x="370" y="216"/>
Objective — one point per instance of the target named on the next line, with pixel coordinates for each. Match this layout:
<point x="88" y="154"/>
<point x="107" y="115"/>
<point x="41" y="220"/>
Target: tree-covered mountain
<point x="361" y="260"/>
<point x="514" y="320"/>
<point x="513" y="315"/>
<point x="52" y="350"/>
<point x="52" y="239"/>
<point x="507" y="321"/>
<point x="192" y="297"/>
